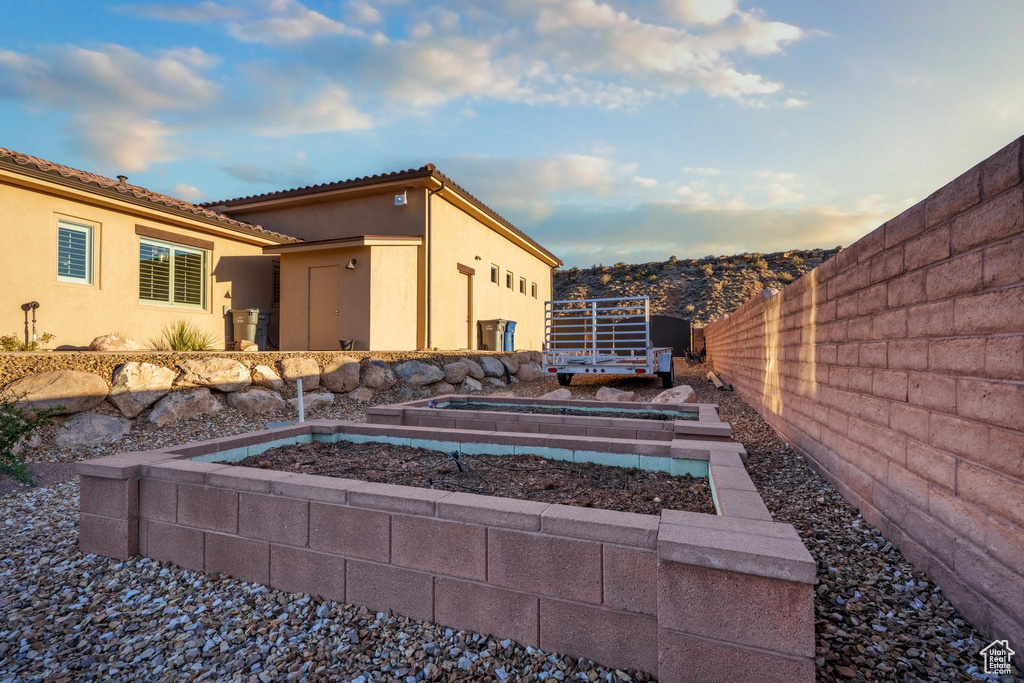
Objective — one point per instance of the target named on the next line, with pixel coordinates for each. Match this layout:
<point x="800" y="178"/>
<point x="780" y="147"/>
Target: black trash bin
<point x="347" y="344"/>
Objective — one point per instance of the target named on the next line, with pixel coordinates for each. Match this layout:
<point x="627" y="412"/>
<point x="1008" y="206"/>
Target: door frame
<point x="469" y="273"/>
<point x="309" y="305"/>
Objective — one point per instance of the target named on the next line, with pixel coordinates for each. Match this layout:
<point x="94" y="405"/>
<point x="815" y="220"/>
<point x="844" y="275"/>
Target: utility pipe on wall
<point x="430" y="193"/>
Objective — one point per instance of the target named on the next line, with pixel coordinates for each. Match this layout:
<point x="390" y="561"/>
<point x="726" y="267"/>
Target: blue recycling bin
<point x="510" y="336"/>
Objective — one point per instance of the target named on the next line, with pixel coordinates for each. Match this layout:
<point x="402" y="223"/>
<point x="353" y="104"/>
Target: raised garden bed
<point x="604" y="419"/>
<point x="683" y="595"/>
<point x="523" y="476"/>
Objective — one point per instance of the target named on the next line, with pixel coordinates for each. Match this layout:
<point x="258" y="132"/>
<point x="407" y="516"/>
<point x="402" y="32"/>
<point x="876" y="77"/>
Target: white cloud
<point x="781" y="188"/>
<point x="195" y="13"/>
<point x="701" y="11"/>
<point x="362" y="12"/>
<point x="794" y="103"/>
<point x="701" y="170"/>
<point x="329" y="109"/>
<point x="646" y="183"/>
<point x="122" y="142"/>
<point x="187" y="192"/>
<point x="287" y="21"/>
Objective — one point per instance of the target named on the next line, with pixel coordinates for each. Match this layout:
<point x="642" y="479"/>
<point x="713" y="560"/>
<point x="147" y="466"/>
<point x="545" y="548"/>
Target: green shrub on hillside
<point x="11" y="342"/>
<point x="182" y="335"/>
<point x="16" y="429"/>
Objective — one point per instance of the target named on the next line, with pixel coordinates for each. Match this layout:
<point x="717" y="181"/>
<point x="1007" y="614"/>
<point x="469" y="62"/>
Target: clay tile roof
<point x="108" y="186"/>
<point x="428" y="170"/>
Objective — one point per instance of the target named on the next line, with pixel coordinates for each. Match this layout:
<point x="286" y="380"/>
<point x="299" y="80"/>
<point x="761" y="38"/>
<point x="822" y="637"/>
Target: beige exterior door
<point x="466" y="286"/>
<point x="324" y="293"/>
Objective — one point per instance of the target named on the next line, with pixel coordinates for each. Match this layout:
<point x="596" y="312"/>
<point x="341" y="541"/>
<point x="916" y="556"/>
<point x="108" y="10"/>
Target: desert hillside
<point x="698" y="290"/>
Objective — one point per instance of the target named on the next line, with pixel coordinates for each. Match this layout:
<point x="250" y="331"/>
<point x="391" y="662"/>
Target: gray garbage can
<point x="263" y="329"/>
<point x="245" y="322"/>
<point x="490" y="334"/>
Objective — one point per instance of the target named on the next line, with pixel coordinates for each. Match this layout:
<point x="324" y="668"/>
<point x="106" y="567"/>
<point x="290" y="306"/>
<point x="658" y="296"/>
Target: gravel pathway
<point x="66" y="616"/>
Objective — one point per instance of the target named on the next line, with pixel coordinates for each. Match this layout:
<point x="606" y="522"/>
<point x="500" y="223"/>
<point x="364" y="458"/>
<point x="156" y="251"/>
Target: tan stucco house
<point x="407" y="260"/>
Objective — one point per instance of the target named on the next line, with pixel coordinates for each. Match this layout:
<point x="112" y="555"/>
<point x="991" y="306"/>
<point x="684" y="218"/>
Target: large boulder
<point x="681" y="394"/>
<point x="300" y="367"/>
<point x="137" y="386"/>
<point x="256" y="401"/>
<point x="528" y="371"/>
<point x="475" y="371"/>
<point x="266" y="377"/>
<point x="341" y="375"/>
<point x="91" y="429"/>
<point x="376" y="374"/>
<point x="113" y="342"/>
<point x="472" y="386"/>
<point x="183" y="405"/>
<point x="522" y="357"/>
<point x="536" y="357"/>
<point x="455" y="372"/>
<point x="221" y="374"/>
<point x="558" y="394"/>
<point x="408" y="393"/>
<point x="418" y="373"/>
<point x="313" y="399"/>
<point x="73" y="391"/>
<point x="492" y="366"/>
<point x="511" y="363"/>
<point x="616" y="395"/>
<point x="360" y="395"/>
<point x="442" y="388"/>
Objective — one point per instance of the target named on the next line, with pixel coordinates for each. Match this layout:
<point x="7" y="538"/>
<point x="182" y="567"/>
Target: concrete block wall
<point x="674" y="594"/>
<point x="897" y="367"/>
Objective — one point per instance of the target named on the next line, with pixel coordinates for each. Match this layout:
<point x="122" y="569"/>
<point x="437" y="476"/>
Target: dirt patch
<point x="526" y="477"/>
<point x="564" y="410"/>
<point x="43" y="474"/>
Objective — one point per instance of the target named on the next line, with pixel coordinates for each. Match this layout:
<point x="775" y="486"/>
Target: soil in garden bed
<point x="527" y="477"/>
<point x="578" y="412"/>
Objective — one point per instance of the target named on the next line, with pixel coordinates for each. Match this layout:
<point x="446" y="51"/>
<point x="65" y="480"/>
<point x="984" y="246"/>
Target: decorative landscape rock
<point x="265" y="376"/>
<point x="511" y="363"/>
<point x="221" y="374"/>
<point x="492" y="366"/>
<point x="91" y="429"/>
<point x="113" y="342"/>
<point x="313" y="399"/>
<point x="455" y="372"/>
<point x="73" y="390"/>
<point x="495" y="382"/>
<point x="522" y="357"/>
<point x="528" y="371"/>
<point x="475" y="371"/>
<point x="376" y="374"/>
<point x="419" y="373"/>
<point x="442" y="388"/>
<point x="256" y="401"/>
<point x="681" y="394"/>
<point x="182" y="405"/>
<point x="137" y="386"/>
<point x="612" y="394"/>
<point x="471" y="385"/>
<point x="340" y="376"/>
<point x="362" y="394"/>
<point x="300" y="367"/>
<point x="246" y="346"/>
<point x="558" y="394"/>
<point x="34" y="442"/>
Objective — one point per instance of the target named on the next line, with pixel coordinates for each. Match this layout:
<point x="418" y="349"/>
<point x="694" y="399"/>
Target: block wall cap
<point x="606" y="526"/>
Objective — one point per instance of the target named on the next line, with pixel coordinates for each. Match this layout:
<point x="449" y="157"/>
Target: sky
<point x="607" y="130"/>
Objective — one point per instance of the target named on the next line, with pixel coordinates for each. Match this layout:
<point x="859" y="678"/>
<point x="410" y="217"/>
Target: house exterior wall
<point x="458" y="238"/>
<point x="394" y="297"/>
<point x="354" y="314"/>
<point x="897" y="367"/>
<point x="239" y="275"/>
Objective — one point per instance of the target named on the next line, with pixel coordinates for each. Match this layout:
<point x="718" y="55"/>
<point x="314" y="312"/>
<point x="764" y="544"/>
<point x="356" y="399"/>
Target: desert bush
<point x="11" y="342"/>
<point x="689" y="308"/>
<point x="707" y="269"/>
<point x="652" y="277"/>
<point x="606" y="278"/>
<point x="181" y="335"/>
<point x="785" y="277"/>
<point x="16" y="428"/>
<point x="716" y="287"/>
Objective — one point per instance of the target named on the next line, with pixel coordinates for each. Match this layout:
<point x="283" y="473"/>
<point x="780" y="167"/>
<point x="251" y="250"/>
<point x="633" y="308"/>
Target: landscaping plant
<point x="11" y="342"/>
<point x="15" y="430"/>
<point x="182" y="335"/>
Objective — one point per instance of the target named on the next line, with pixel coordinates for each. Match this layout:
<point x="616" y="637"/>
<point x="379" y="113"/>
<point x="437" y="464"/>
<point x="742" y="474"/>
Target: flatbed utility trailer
<point x="604" y="337"/>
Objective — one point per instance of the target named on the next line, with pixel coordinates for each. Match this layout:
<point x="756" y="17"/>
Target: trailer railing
<point x="610" y="332"/>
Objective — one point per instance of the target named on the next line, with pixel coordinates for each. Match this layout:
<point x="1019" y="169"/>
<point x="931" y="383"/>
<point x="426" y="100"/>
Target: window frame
<point x="533" y="289"/>
<point x="522" y="286"/>
<point x="495" y="274"/>
<point x="90" y="241"/>
<point x="509" y="279"/>
<point x="173" y="246"/>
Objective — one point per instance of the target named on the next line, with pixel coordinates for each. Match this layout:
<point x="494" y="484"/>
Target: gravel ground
<point x="68" y="616"/>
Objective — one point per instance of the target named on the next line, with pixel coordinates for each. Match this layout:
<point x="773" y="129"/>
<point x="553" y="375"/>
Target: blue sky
<point x="607" y="130"/>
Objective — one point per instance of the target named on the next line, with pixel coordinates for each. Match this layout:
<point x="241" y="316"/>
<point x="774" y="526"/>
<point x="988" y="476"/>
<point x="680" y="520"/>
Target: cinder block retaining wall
<point x="897" y="367"/>
<point x="685" y="595"/>
<point x="707" y="424"/>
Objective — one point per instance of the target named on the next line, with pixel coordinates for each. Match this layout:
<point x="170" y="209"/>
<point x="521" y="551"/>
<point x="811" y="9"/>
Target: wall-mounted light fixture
<point x="402" y="199"/>
<point x="351" y="265"/>
<point x="477" y="258"/>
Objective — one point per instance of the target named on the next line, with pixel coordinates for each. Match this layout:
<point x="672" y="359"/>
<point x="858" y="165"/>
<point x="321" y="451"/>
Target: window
<point x="74" y="253"/>
<point x="494" y="273"/>
<point x="522" y="285"/>
<point x="508" y="279"/>
<point x="171" y="274"/>
<point x="276" y="299"/>
<point x="533" y="289"/>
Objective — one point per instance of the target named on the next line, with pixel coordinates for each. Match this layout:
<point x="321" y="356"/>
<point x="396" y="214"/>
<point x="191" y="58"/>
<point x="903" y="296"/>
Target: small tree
<point x="16" y="428"/>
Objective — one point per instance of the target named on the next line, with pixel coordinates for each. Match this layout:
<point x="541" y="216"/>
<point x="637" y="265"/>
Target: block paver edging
<point x="592" y="579"/>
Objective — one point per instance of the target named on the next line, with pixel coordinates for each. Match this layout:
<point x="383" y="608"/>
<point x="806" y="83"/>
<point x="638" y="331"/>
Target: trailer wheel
<point x="668" y="379"/>
<point x="564" y="378"/>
